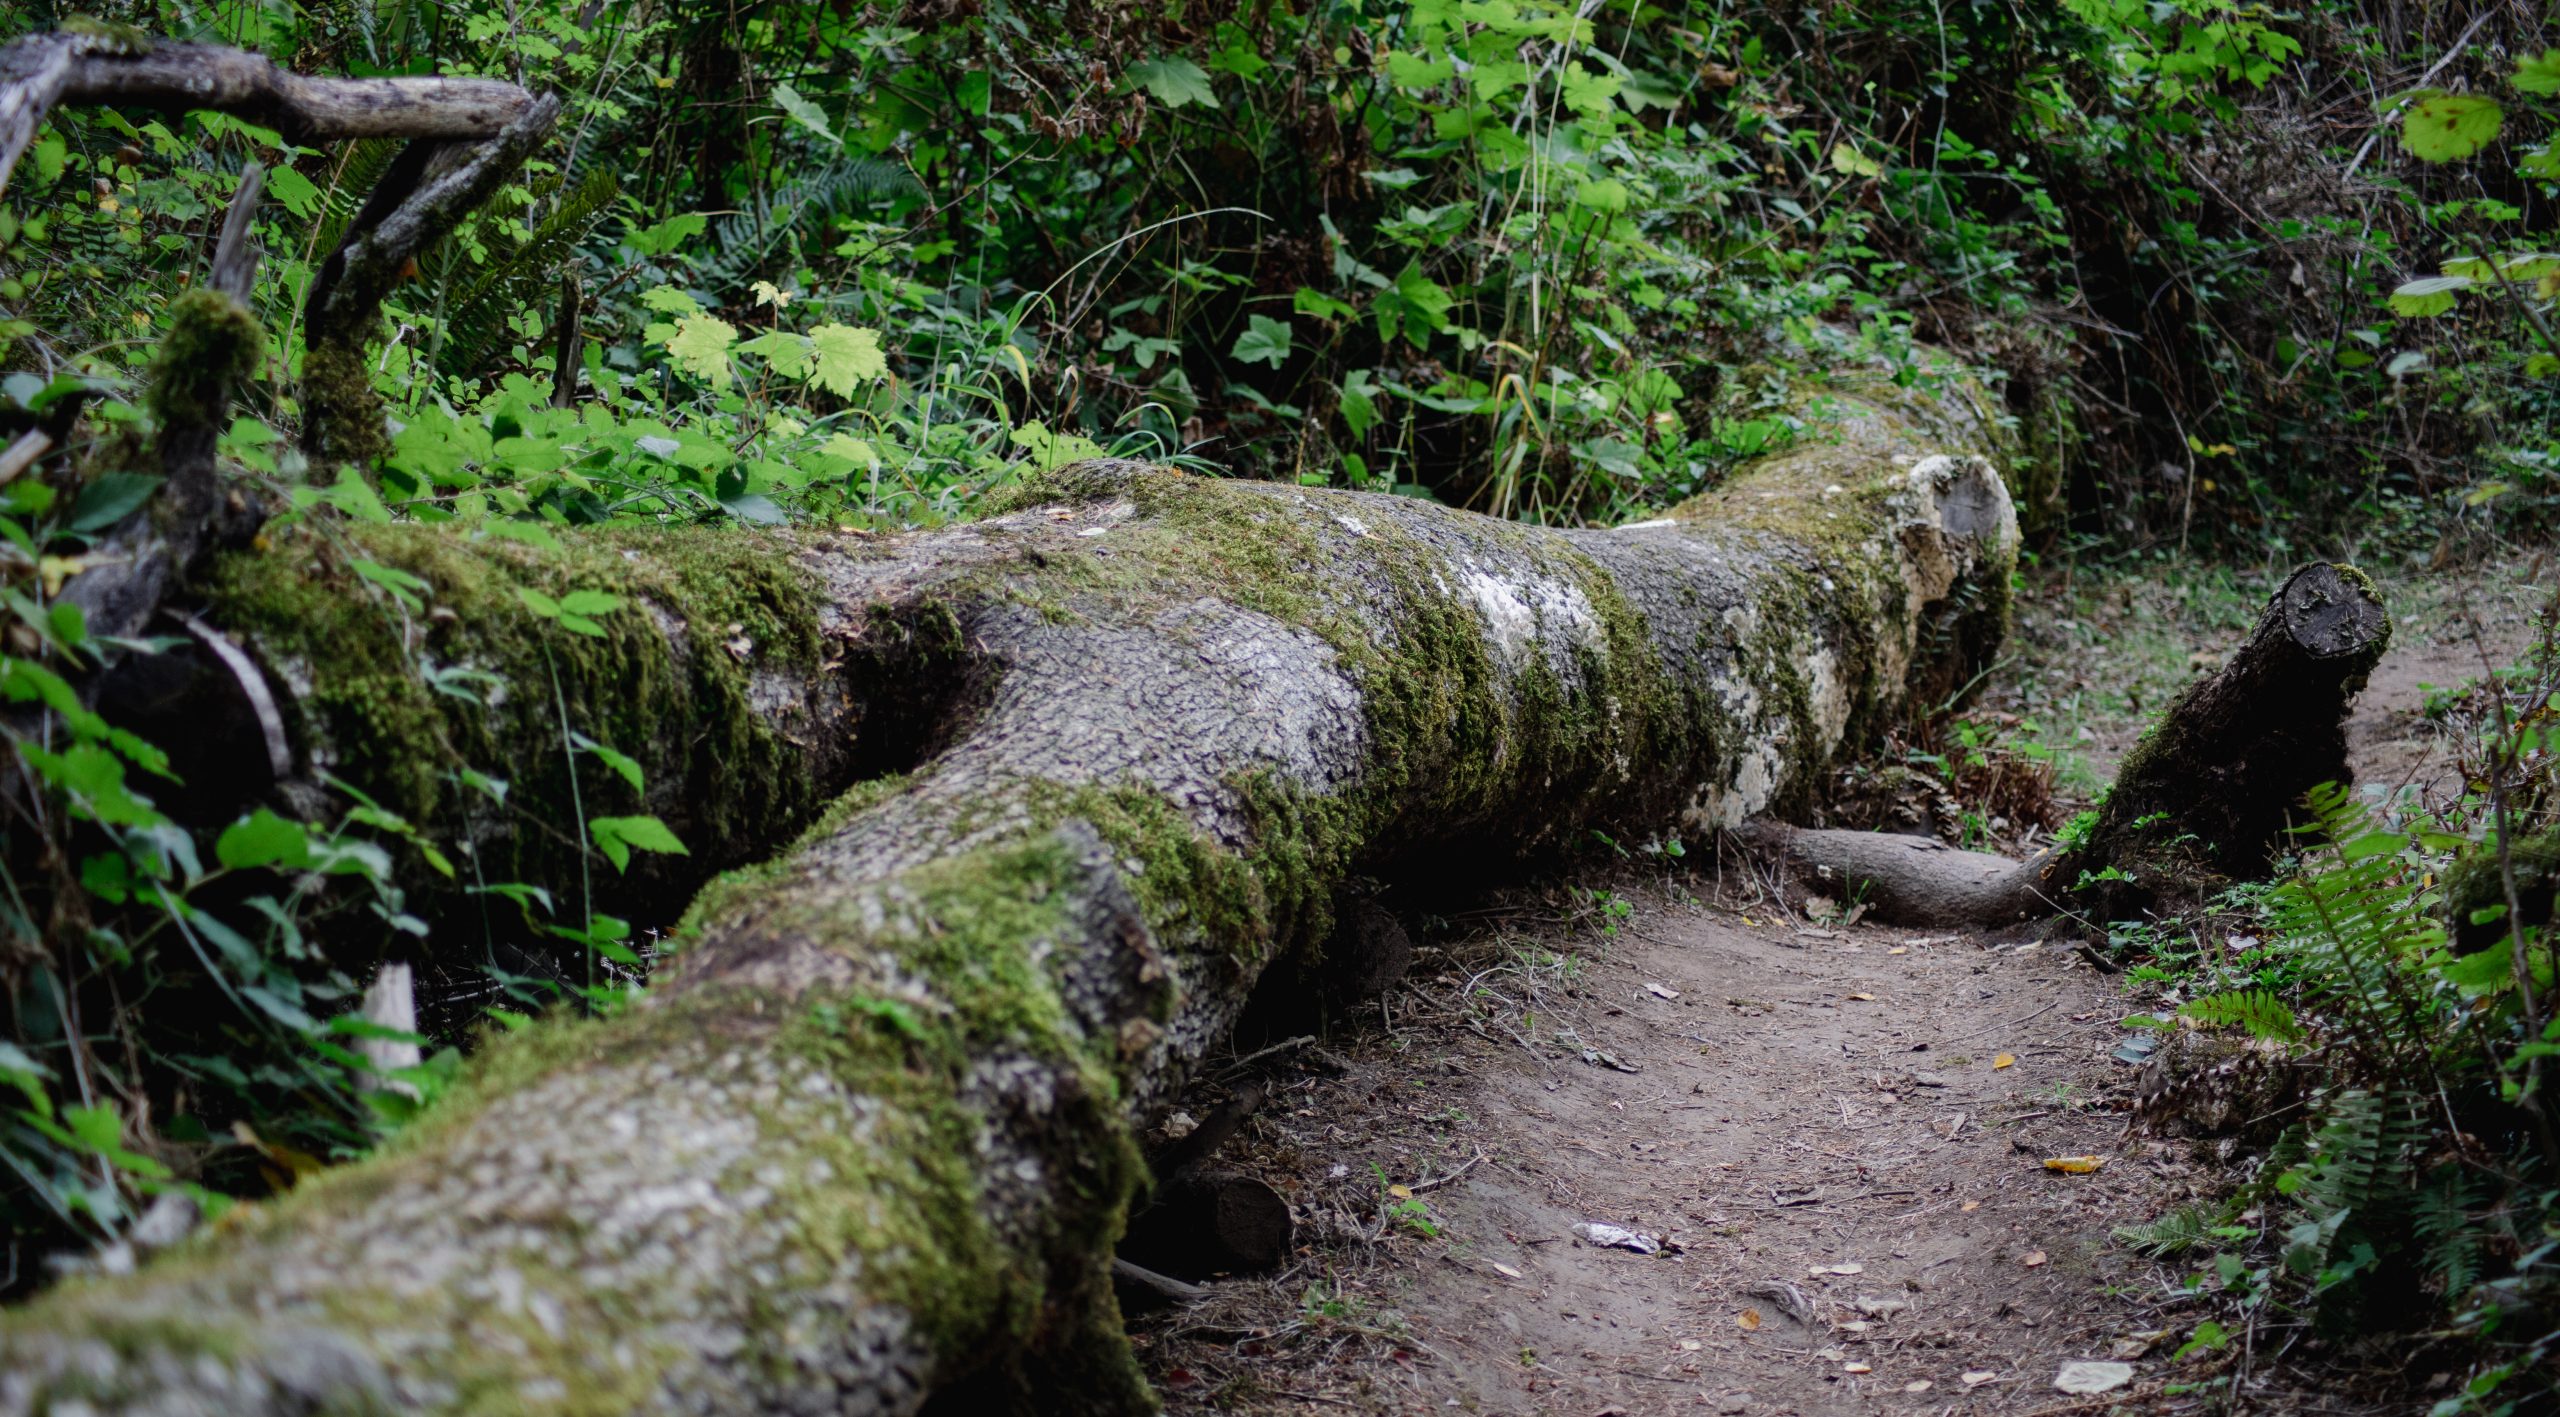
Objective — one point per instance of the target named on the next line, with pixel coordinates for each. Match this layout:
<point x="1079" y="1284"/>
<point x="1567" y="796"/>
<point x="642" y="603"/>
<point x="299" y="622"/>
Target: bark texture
<point x="88" y="61"/>
<point x="2221" y="776"/>
<point x="2203" y="800"/>
<point x="869" y="1141"/>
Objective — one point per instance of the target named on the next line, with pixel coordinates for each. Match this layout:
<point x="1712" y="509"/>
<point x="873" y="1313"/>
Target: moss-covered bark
<point x="870" y="1138"/>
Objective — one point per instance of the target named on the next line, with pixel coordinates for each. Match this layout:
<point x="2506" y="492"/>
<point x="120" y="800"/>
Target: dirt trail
<point x="1817" y="1120"/>
<point x="1818" y="1108"/>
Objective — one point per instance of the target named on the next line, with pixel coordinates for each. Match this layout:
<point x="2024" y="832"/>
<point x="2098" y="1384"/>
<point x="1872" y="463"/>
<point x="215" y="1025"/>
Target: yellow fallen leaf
<point x="2075" y="1165"/>
<point x="1970" y="1205"/>
<point x="1866" y="998"/>
<point x="2033" y="1259"/>
<point x="1897" y="950"/>
<point x="1402" y="1193"/>
<point x="1749" y="1319"/>
<point x="2005" y="1060"/>
<point x="1505" y="1270"/>
<point x="1857" y="1368"/>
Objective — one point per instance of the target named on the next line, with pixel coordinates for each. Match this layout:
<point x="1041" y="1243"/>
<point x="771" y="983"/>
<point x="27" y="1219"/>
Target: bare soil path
<point x="1820" y="1121"/>
<point x="1839" y="1135"/>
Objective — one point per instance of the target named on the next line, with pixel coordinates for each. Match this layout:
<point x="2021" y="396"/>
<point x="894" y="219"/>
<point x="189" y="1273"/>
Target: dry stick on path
<point x="1109" y="752"/>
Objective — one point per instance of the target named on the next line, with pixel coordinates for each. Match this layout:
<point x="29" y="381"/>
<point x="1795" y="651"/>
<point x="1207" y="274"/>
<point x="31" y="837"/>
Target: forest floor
<point x="1838" y="1136"/>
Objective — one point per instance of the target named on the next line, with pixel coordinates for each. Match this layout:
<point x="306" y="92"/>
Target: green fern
<point x="2360" y="930"/>
<point x="478" y="319"/>
<point x="2179" y="1230"/>
<point x="2257" y="1010"/>
<point x="749" y="242"/>
<point x="2453" y="1238"/>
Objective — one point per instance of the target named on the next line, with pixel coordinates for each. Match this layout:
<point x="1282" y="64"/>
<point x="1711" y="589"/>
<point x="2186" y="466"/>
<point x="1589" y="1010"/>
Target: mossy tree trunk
<point x="1102" y="758"/>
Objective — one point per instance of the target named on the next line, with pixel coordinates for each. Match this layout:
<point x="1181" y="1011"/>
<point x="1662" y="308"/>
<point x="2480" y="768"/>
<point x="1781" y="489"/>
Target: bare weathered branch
<point x="42" y="72"/>
<point x="427" y="193"/>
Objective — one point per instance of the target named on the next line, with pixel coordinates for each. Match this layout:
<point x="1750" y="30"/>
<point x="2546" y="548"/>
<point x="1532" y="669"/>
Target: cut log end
<point x="2334" y="612"/>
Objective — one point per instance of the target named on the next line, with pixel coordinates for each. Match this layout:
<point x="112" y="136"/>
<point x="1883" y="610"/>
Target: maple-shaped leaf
<point x="847" y="358"/>
<point x="700" y="347"/>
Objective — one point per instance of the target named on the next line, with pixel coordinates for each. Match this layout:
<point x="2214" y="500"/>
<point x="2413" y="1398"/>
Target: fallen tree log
<point x="2204" y="799"/>
<point x="1110" y="753"/>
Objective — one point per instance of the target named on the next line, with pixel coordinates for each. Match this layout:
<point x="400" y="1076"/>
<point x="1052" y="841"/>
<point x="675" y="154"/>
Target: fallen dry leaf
<point x="1970" y="1205"/>
<point x="1917" y="1385"/>
<point x="1864" y="998"/>
<point x="1822" y="1269"/>
<point x="2034" y="1258"/>
<point x="1690" y="1345"/>
<point x="1505" y="1270"/>
<point x="1857" y="1368"/>
<point x="1897" y="950"/>
<point x="1660" y="991"/>
<point x="1402" y="1193"/>
<point x="2005" y="1060"/>
<point x="1978" y="1377"/>
<point x="1748" y="1319"/>
<point x="2074" y="1165"/>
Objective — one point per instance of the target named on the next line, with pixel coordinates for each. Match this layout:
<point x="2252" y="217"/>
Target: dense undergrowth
<point x="2246" y="281"/>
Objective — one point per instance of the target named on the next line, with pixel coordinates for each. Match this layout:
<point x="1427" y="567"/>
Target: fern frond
<point x="477" y="318"/>
<point x="749" y="242"/>
<point x="2179" y="1230"/>
<point x="2257" y="1010"/>
<point x="2446" y="1226"/>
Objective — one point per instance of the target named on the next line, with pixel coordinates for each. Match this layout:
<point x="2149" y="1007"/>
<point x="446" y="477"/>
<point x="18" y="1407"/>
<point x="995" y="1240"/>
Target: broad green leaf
<point x="1412" y="71"/>
<point x="623" y="764"/>
<point x="263" y="839"/>
<point x="1173" y="80"/>
<point x="783" y="352"/>
<point x="1054" y="450"/>
<point x="618" y="837"/>
<point x="589" y="602"/>
<point x="2432" y="295"/>
<point x="1359" y="408"/>
<point x="294" y="190"/>
<point x="1845" y="158"/>
<point x="700" y="347"/>
<point x="1264" y="341"/>
<point x="854" y="450"/>
<point x="2540" y="74"/>
<point x="111" y="497"/>
<point x="354" y="496"/>
<point x="666" y="236"/>
<point x="2450" y="126"/>
<point x="668" y="300"/>
<point x="847" y="357"/>
<point x="1415" y="306"/>
<point x="538" y="603"/>
<point x="803" y="112"/>
<point x="1321" y="305"/>
<point x="403" y="586"/>
<point x="1605" y="194"/>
